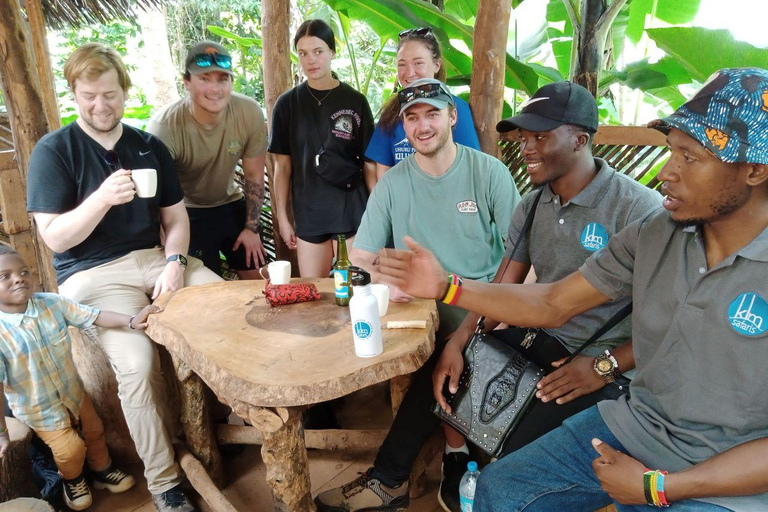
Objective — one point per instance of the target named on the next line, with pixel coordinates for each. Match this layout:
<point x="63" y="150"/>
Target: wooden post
<point x="43" y="62"/>
<point x="196" y="420"/>
<point x="276" y="37"/>
<point x="488" y="59"/>
<point x="21" y="91"/>
<point x="285" y="455"/>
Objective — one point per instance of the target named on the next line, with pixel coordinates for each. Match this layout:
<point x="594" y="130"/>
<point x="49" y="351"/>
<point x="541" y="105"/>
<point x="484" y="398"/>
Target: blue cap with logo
<point x="425" y="90"/>
<point x="728" y="116"/>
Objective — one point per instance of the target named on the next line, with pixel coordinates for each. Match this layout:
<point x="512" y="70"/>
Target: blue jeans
<point x="555" y="473"/>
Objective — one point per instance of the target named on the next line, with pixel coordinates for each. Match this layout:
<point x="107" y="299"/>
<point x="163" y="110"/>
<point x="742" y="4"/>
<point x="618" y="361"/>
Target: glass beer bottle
<point x="341" y="273"/>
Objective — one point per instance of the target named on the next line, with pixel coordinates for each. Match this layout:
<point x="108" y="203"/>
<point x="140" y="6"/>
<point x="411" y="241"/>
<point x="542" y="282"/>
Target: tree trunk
<point x="157" y="61"/>
<point x="276" y="37"/>
<point x="101" y="385"/>
<point x="489" y="56"/>
<point x="590" y="46"/>
<point x="21" y="91"/>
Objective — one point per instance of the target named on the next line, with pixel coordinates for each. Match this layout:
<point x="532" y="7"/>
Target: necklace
<point x="319" y="101"/>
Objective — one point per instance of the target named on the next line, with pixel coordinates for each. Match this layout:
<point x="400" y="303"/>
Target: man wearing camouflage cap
<point x="694" y="434"/>
<point x="208" y="133"/>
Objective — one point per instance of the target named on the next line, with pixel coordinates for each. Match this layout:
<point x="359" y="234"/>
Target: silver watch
<point x="607" y="367"/>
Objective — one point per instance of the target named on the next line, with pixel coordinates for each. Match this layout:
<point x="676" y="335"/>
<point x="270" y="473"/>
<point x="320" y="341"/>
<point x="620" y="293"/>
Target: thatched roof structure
<point x="61" y="13"/>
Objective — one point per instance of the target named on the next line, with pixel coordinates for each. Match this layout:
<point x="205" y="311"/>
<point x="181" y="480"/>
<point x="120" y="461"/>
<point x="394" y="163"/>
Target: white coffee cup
<point x="279" y="272"/>
<point x="381" y="292"/>
<point x="145" y="181"/>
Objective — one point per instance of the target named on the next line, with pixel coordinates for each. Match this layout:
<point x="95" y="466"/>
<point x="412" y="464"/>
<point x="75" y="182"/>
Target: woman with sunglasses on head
<point x="418" y="56"/>
<point x="320" y="130"/>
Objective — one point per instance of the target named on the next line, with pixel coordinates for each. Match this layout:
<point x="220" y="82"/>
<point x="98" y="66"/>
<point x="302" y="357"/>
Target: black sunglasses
<point x="206" y="60"/>
<point x="113" y="161"/>
<point x="420" y="32"/>
<point x="420" y="91"/>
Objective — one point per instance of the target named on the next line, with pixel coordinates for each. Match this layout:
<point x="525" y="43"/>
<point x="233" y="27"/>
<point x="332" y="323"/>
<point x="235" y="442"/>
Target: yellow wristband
<point x="451" y="293"/>
<point x="654" y="490"/>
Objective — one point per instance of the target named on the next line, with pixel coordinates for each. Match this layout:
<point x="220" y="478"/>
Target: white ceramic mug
<point x="145" y="181"/>
<point x="279" y="272"/>
<point x="381" y="292"/>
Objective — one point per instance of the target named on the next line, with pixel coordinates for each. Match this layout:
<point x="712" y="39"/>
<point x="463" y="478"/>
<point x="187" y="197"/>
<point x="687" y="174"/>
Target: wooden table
<point x="269" y="363"/>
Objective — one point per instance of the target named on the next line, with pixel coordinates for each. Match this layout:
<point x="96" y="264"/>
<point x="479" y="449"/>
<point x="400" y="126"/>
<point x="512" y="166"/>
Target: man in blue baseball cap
<point x="458" y="202"/>
<point x="694" y="434"/>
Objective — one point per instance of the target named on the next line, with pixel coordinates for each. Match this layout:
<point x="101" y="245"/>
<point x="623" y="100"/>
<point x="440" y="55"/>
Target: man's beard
<point x="99" y="129"/>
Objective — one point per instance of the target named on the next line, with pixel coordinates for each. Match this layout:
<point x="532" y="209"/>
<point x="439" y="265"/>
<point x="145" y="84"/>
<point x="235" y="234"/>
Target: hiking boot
<point x="112" y="479"/>
<point x="77" y="495"/>
<point x="454" y="467"/>
<point x="364" y="494"/>
<point x="172" y="500"/>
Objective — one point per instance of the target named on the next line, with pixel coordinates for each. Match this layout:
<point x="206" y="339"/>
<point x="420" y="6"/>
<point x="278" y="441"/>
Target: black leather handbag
<point x="498" y="384"/>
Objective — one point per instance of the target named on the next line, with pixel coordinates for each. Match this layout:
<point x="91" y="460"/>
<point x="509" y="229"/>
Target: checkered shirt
<point x="36" y="366"/>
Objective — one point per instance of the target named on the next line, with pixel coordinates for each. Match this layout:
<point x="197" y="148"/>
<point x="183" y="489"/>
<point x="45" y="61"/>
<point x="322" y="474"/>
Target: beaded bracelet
<point x="653" y="487"/>
<point x="453" y="291"/>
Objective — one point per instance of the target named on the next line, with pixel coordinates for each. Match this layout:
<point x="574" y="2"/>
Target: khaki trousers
<point x="70" y="450"/>
<point x="124" y="285"/>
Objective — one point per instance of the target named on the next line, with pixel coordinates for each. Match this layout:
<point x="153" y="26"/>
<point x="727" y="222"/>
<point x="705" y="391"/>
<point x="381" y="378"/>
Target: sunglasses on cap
<point x="420" y="32"/>
<point x="420" y="91"/>
<point x="205" y="60"/>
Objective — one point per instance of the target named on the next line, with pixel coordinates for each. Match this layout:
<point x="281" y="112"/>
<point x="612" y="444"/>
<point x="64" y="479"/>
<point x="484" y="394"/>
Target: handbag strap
<point x="526" y="227"/>
<point x="610" y="324"/>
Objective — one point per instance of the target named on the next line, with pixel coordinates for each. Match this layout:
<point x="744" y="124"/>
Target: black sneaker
<point x="112" y="479"/>
<point x="172" y="500"/>
<point x="77" y="495"/>
<point x="454" y="467"/>
<point x="365" y="493"/>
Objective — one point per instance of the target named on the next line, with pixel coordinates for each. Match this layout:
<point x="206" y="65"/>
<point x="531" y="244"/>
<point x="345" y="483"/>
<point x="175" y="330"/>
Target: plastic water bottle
<point x="467" y="487"/>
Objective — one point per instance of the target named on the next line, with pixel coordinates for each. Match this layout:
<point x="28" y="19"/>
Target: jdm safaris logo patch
<point x="747" y="314"/>
<point x="594" y="237"/>
<point x="468" y="206"/>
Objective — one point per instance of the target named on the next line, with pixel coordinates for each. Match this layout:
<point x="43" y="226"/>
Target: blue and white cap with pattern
<point x="728" y="116"/>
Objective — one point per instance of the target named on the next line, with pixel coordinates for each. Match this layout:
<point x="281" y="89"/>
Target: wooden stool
<point x="25" y="505"/>
<point x="16" y="467"/>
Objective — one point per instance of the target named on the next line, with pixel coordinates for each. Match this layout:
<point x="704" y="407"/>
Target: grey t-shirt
<point x="700" y="344"/>
<point x="562" y="237"/>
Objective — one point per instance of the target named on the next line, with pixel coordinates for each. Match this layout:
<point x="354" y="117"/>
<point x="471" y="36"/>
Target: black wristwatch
<point x="177" y="257"/>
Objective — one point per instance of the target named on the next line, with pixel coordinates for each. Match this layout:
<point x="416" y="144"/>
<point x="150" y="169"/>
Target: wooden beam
<point x="333" y="440"/>
<point x="7" y="160"/>
<point x="488" y="63"/>
<point x="22" y="95"/>
<point x="202" y="483"/>
<point x="14" y="208"/>
<point x="634" y="135"/>
<point x="43" y="63"/>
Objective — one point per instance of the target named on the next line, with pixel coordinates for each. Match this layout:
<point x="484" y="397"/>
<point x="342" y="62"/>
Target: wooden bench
<point x="16" y="478"/>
